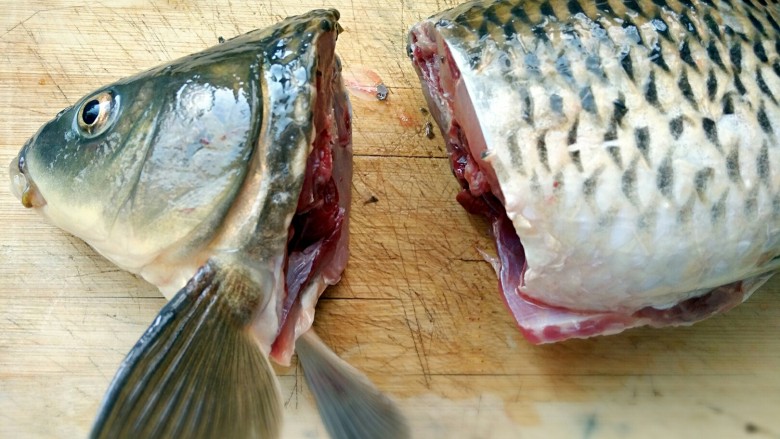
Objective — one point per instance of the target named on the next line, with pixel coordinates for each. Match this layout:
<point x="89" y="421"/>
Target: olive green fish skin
<point x="635" y="143"/>
<point x="159" y="182"/>
<point x="121" y="177"/>
<point x="703" y="20"/>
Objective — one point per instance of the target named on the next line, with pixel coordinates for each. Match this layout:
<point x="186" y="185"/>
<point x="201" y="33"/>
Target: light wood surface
<point x="417" y="310"/>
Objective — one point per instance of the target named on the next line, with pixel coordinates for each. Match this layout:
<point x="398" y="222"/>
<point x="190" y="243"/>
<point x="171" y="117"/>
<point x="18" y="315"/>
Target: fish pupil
<point x="90" y="112"/>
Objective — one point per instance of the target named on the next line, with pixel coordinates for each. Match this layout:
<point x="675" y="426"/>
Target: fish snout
<point x="21" y="185"/>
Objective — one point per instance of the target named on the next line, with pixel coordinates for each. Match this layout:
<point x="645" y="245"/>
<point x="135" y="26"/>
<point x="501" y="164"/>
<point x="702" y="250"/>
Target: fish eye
<point x="95" y="113"/>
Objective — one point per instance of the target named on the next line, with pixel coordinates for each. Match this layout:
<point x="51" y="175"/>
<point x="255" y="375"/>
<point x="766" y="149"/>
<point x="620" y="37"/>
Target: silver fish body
<point x="633" y="147"/>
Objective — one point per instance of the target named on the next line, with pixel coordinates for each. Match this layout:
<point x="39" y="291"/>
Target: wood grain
<point x="417" y="310"/>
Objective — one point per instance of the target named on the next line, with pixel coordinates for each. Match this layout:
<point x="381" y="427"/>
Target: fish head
<point x="63" y="170"/>
<point x="149" y="163"/>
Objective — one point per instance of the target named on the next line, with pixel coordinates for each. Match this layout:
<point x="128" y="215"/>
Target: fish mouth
<point x="22" y="186"/>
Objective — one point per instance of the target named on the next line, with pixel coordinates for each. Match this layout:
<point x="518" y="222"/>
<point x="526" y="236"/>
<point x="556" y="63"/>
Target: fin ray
<point x="351" y="407"/>
<point x="196" y="372"/>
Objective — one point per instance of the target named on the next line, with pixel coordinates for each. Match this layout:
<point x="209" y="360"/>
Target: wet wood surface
<point x="417" y="310"/>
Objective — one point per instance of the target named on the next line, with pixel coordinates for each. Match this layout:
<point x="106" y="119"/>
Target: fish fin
<point x="351" y="407"/>
<point x="197" y="371"/>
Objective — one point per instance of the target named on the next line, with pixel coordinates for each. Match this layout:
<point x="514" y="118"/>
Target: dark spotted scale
<point x="702" y="180"/>
<point x="528" y="107"/>
<point x="660" y="116"/>
<point x="588" y="100"/>
<point x="614" y="153"/>
<point x="665" y="177"/>
<point x="738" y="85"/>
<point x="719" y="209"/>
<point x="711" y="131"/>
<point x="735" y="54"/>
<point x="541" y="150"/>
<point x="656" y="56"/>
<point x="732" y="166"/>
<point x="762" y="85"/>
<point x="712" y="26"/>
<point x="688" y="25"/>
<point x="676" y="127"/>
<point x="758" y="49"/>
<point x="627" y="64"/>
<point x="651" y="91"/>
<point x="712" y="85"/>
<point x="763" y="120"/>
<point x="642" y="137"/>
<point x="574" y="7"/>
<point x="620" y="110"/>
<point x="628" y="183"/>
<point x="714" y="54"/>
<point x="762" y="165"/>
<point x="686" y="89"/>
<point x="685" y="55"/>
<point x="728" y="104"/>
<point x="589" y="185"/>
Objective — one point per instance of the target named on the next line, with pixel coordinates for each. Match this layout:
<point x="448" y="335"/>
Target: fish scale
<point x="642" y="128"/>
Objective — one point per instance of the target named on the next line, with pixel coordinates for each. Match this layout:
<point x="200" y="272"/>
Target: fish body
<point x="626" y="152"/>
<point x="223" y="178"/>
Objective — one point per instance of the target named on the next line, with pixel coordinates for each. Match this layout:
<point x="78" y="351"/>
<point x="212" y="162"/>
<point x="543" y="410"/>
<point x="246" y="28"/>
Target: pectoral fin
<point x="197" y="372"/>
<point x="351" y="407"/>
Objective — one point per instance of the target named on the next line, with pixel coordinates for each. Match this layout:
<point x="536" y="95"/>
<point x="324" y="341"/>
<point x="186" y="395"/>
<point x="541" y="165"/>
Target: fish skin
<point x="170" y="139"/>
<point x="190" y="174"/>
<point x="633" y="145"/>
<point x="185" y="130"/>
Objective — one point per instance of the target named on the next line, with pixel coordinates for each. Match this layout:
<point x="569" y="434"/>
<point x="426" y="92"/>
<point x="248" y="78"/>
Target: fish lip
<point x="22" y="186"/>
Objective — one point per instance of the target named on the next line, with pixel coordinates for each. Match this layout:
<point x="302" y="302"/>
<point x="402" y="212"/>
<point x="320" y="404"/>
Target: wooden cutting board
<point x="418" y="308"/>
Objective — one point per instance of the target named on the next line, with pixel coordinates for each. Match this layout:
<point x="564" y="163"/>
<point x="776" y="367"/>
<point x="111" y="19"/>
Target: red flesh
<point x="317" y="243"/>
